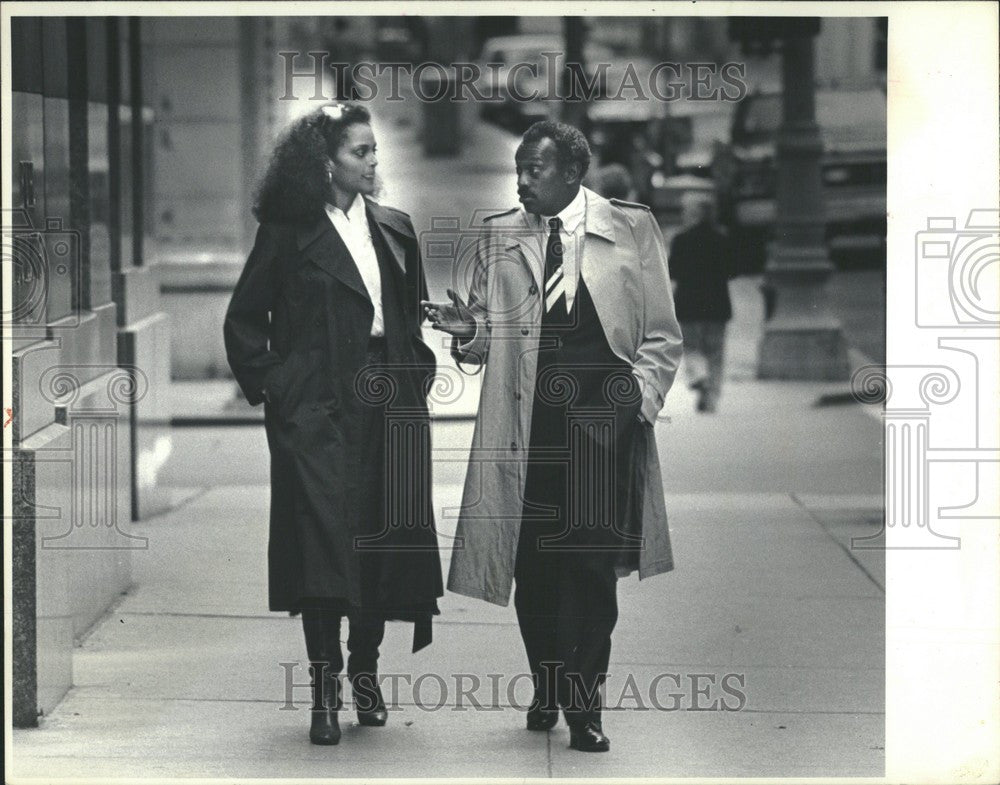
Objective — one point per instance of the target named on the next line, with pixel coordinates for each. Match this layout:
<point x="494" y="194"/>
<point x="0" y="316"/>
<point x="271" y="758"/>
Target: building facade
<point x="87" y="337"/>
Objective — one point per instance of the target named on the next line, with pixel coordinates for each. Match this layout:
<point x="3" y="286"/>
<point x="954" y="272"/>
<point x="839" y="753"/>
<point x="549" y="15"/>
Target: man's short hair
<point x="571" y="144"/>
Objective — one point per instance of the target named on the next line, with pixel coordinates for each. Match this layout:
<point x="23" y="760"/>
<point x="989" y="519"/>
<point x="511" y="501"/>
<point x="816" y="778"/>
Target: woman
<point x="324" y="328"/>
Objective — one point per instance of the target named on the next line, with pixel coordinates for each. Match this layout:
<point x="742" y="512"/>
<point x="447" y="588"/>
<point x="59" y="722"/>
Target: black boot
<point x="363" y="643"/>
<point x="325" y="727"/>
<point x="322" y="631"/>
<point x="368" y="700"/>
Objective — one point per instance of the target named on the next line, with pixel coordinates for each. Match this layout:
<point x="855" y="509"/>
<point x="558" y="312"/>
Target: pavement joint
<point x="844" y="548"/>
<point x="299" y="704"/>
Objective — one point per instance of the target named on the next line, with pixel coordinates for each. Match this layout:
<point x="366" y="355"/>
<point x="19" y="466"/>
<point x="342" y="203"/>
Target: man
<point x="571" y="314"/>
<point x="701" y="262"/>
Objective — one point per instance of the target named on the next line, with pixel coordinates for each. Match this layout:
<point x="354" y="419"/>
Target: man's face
<point x="542" y="186"/>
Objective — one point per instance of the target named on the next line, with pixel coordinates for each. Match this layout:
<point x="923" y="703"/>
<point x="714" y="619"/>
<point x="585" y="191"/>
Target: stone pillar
<point x="143" y="326"/>
<point x="803" y="340"/>
<point x="73" y="432"/>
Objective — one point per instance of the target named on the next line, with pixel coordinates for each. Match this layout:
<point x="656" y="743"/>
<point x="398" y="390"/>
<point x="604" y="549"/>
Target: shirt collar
<point x="571" y="215"/>
<point x="355" y="213"/>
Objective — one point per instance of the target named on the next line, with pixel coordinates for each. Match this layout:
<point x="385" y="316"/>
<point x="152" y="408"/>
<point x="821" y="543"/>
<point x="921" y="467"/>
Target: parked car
<point x="853" y="130"/>
<point x="696" y="131"/>
<point x="510" y="50"/>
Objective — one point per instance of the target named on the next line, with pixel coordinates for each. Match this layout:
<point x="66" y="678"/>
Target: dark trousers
<point x="583" y="414"/>
<point x="567" y="607"/>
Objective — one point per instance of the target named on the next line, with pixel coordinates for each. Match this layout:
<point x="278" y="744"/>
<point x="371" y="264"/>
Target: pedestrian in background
<point x="324" y="328"/>
<point x="701" y="264"/>
<point x="613" y="182"/>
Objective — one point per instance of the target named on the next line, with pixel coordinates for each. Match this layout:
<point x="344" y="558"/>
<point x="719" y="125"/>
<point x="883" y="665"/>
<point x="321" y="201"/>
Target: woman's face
<point x="353" y="169"/>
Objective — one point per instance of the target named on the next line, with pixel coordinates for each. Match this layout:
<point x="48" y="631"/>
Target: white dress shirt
<point x="352" y="227"/>
<point x="571" y="232"/>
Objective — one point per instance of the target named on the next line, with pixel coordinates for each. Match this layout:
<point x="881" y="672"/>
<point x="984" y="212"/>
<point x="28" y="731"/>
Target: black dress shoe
<point x="542" y="719"/>
<point x="368" y="701"/>
<point x="588" y="738"/>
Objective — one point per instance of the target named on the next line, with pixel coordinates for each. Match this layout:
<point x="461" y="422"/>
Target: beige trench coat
<point x="624" y="264"/>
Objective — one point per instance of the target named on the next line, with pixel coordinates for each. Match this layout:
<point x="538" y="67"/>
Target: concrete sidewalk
<point x="183" y="678"/>
<point x="769" y="598"/>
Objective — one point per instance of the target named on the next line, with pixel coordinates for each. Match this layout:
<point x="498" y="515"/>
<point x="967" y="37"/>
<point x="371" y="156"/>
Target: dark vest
<point x="578" y="375"/>
<point x="578" y="433"/>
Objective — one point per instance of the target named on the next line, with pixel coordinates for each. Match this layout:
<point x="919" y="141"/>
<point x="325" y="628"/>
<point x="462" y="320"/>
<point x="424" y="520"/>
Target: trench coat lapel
<point x="598" y="246"/>
<point x="323" y="245"/>
<point x="599" y="227"/>
<point x="392" y="229"/>
<point x="524" y="238"/>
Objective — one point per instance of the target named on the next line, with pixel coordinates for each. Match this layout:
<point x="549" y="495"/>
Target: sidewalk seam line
<point x="399" y="705"/>
<point x="839" y="544"/>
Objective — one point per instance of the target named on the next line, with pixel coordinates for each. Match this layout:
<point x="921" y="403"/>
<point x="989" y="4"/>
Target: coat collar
<point x="599" y="218"/>
<point x="523" y="233"/>
<point x="321" y="243"/>
<point x="396" y="230"/>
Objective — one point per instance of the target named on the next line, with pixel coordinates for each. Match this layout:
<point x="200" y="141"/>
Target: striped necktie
<point x="555" y="284"/>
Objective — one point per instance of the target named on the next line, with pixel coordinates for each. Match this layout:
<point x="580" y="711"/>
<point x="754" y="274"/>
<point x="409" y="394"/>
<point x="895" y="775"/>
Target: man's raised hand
<point x="453" y="317"/>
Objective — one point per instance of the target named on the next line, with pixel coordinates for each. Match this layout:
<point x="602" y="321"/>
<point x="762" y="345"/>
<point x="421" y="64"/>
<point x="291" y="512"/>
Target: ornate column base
<point x="803" y="340"/>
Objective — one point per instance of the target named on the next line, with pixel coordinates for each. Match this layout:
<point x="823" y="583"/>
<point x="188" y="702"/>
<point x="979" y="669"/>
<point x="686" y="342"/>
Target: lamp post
<point x="573" y="108"/>
<point x="803" y="339"/>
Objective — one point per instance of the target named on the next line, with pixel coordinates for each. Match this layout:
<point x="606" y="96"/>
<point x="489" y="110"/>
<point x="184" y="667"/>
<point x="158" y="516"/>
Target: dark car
<point x="853" y="130"/>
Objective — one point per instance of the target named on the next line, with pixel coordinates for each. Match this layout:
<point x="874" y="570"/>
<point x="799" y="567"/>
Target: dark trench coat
<point x="307" y="357"/>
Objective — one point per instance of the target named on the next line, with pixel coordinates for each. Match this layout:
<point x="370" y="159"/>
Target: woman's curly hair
<point x="296" y="187"/>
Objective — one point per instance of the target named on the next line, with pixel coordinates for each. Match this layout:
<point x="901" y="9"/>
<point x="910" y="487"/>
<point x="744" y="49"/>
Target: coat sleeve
<point x="659" y="352"/>
<point x="247" y="324"/>
<point x="475" y="350"/>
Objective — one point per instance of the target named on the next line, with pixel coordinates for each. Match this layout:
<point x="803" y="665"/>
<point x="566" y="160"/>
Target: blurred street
<point x="182" y="677"/>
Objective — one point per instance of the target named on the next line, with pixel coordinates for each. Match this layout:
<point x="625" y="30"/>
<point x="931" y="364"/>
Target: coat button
<point x="513" y="446"/>
<point x="524" y="331"/>
<point x="533" y="289"/>
<point x="517" y="395"/>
